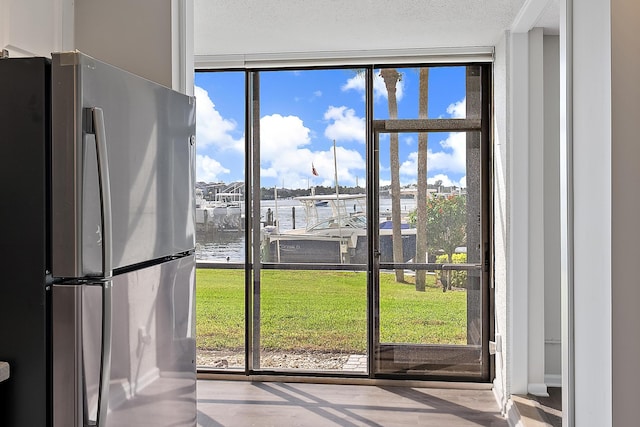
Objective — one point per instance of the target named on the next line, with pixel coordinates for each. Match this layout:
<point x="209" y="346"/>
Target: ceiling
<point x="242" y="27"/>
<point x="550" y="18"/>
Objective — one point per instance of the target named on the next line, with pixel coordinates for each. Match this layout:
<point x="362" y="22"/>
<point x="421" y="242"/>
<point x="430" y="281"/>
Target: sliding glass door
<point x="221" y="230"/>
<point x="430" y="290"/>
<point x="310" y="255"/>
<point x="364" y="222"/>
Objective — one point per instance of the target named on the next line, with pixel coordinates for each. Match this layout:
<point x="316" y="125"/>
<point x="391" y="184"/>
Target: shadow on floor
<point x="551" y="407"/>
<point x="244" y="403"/>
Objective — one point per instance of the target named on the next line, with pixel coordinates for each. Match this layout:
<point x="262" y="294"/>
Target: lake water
<point x="228" y="246"/>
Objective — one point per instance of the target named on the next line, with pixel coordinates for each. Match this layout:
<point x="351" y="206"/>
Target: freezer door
<point x="149" y="138"/>
<point x="152" y="379"/>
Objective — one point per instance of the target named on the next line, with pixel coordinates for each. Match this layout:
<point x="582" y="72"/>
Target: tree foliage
<point x="446" y="224"/>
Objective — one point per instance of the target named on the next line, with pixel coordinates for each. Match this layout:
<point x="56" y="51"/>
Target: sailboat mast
<point x="335" y="170"/>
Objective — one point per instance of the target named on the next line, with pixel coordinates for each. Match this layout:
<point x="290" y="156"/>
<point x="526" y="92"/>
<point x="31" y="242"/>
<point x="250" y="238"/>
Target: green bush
<point x="457" y="279"/>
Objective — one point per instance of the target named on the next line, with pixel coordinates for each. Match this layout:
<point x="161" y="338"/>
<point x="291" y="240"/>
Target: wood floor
<point x="244" y="403"/>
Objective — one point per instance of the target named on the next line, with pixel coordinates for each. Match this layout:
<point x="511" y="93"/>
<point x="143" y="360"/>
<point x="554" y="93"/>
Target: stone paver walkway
<point x="356" y="363"/>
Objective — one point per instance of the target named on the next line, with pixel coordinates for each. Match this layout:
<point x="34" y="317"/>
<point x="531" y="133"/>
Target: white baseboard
<point x="501" y="399"/>
<point x="524" y="412"/>
<point x="553" y="380"/>
<point x="513" y="415"/>
<point x="537" y="389"/>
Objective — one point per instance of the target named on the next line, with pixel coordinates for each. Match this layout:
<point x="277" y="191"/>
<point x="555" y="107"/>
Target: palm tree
<point x="421" y="199"/>
<point x="391" y="78"/>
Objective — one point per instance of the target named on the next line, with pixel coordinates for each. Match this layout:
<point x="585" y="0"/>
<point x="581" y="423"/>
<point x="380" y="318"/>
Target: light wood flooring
<point x="244" y="403"/>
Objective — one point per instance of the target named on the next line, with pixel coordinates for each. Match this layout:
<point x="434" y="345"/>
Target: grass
<point x="323" y="310"/>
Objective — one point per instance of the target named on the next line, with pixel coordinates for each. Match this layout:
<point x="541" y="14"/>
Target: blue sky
<point x="303" y="112"/>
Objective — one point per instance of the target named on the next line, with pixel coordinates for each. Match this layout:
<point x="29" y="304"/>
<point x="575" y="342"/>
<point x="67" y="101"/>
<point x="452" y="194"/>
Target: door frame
<point x="480" y="124"/>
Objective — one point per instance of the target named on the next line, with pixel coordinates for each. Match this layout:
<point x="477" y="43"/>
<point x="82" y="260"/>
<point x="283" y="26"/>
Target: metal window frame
<point x="373" y="128"/>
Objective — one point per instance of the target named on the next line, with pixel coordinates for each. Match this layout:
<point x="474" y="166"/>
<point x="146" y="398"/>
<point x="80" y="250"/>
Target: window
<point x="344" y="216"/>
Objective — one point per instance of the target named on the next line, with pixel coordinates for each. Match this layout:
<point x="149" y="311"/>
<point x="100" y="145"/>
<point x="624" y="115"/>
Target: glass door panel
<point x="220" y="220"/>
<point x="430" y="291"/>
<point x="310" y="281"/>
<point x="430" y="319"/>
<point x="313" y="320"/>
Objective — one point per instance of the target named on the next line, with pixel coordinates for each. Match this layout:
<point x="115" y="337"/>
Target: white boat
<point x="225" y="212"/>
<point x="338" y="237"/>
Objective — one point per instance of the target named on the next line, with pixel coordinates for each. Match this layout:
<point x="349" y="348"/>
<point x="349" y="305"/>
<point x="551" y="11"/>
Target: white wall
<point x="135" y="36"/>
<point x="527" y="213"/>
<point x="35" y="27"/>
<point x="552" y="306"/>
<point x="625" y="210"/>
<point x="3" y="37"/>
<point x="182" y="29"/>
<point x="501" y="217"/>
<point x="592" y="213"/>
<point x="535" y="282"/>
<point x="529" y="186"/>
<point x="150" y="38"/>
<point x="517" y="340"/>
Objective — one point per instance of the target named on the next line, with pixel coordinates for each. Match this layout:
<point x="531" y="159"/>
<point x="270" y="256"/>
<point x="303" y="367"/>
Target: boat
<point x="339" y="238"/>
<point x="224" y="213"/>
<point x="227" y="211"/>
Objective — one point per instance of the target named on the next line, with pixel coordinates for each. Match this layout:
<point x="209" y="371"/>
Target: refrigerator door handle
<point x="105" y="191"/>
<point x="107" y="263"/>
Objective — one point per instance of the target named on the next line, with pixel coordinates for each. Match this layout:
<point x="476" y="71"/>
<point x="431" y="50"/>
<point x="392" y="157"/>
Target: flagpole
<point x="335" y="170"/>
<point x="314" y="173"/>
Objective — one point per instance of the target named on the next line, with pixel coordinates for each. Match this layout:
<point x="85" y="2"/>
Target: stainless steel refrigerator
<point x="96" y="246"/>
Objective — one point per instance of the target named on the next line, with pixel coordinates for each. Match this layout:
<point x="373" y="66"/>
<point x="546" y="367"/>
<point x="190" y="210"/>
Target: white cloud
<point x="285" y="155"/>
<point x="357" y="83"/>
<point x="446" y="181"/>
<point x="212" y="128"/>
<point x="410" y="166"/>
<point x="451" y="160"/>
<point x="458" y="110"/>
<point x="208" y="169"/>
<point x="280" y="134"/>
<point x="409" y="140"/>
<point x="345" y="126"/>
<point x="453" y="156"/>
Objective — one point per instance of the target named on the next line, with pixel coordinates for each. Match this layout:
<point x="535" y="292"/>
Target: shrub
<point x="457" y="279"/>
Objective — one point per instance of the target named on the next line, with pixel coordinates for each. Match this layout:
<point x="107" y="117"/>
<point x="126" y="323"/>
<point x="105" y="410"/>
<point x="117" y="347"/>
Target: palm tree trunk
<point x="391" y="78"/>
<point x="421" y="198"/>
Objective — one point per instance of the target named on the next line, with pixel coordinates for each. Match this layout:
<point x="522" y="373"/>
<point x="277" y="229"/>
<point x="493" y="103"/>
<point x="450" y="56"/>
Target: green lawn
<point x="323" y="310"/>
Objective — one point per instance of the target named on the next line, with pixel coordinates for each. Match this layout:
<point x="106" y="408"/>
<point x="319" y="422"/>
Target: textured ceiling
<point x="550" y="18"/>
<point x="225" y="27"/>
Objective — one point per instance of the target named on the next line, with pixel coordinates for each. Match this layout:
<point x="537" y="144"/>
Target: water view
<point x="228" y="245"/>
